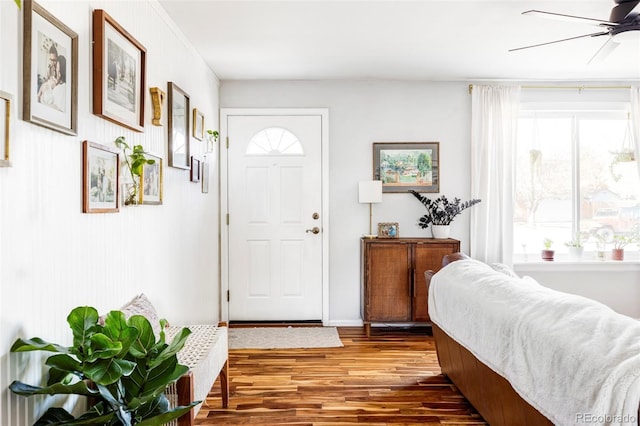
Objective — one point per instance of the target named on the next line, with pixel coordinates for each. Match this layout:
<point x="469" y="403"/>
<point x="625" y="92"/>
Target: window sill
<point x="563" y="262"/>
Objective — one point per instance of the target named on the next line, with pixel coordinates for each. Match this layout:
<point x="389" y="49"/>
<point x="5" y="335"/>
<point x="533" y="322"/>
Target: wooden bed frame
<point x="490" y="393"/>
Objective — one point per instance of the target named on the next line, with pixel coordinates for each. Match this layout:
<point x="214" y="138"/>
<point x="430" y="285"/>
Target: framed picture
<point x="151" y="181"/>
<point x="195" y="170"/>
<point x="100" y="180"/>
<point x="198" y="125"/>
<point x="50" y="76"/>
<point x="407" y="165"/>
<point x="178" y="128"/>
<point x="388" y="230"/>
<point x="5" y="127"/>
<point x="119" y="70"/>
<point x="204" y="175"/>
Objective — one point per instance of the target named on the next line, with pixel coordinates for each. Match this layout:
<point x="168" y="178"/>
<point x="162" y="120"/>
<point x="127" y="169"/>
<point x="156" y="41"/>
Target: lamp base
<point x="370" y="236"/>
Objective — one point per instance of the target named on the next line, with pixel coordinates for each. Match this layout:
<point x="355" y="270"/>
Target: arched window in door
<point x="274" y="141"/>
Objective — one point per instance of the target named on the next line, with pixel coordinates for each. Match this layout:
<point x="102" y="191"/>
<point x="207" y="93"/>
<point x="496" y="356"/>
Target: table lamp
<point x="370" y="191"/>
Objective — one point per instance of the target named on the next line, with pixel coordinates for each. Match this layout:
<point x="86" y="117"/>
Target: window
<point x="274" y="141"/>
<point x="574" y="177"/>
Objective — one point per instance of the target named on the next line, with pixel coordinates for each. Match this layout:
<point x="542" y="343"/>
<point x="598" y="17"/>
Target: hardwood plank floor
<point x="390" y="378"/>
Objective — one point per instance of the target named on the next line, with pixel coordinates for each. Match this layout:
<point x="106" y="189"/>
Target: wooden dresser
<point x="393" y="288"/>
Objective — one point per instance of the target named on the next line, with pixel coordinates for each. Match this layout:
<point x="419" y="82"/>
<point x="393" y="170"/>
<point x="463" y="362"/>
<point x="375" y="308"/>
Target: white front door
<point x="274" y="196"/>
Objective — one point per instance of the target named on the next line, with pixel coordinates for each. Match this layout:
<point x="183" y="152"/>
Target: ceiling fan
<point x="623" y="23"/>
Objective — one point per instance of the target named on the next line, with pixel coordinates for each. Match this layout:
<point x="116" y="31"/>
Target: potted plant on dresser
<point x="441" y="212"/>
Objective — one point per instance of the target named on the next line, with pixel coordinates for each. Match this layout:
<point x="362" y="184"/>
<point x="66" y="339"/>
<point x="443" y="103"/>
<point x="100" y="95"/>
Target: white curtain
<point x="635" y="122"/>
<point x="494" y="115"/>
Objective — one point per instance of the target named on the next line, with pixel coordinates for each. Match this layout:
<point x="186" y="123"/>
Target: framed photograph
<point x="178" y="128"/>
<point x="198" y="124"/>
<point x="50" y="73"/>
<point x="151" y="181"/>
<point x="5" y="127"/>
<point x="407" y="165"/>
<point x="100" y="178"/>
<point x="204" y="175"/>
<point x="119" y="71"/>
<point x="195" y="170"/>
<point x="388" y="230"/>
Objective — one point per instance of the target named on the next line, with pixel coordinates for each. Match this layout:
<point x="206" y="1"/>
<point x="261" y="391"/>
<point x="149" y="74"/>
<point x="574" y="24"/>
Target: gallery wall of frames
<point x="74" y="77"/>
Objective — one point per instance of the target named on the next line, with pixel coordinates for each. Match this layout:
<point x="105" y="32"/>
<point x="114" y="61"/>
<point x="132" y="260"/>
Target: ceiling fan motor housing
<point x="623" y="11"/>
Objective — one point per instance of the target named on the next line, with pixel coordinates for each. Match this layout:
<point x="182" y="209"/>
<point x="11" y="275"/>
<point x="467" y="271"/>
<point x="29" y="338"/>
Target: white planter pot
<point x="440" y="231"/>
<point x="576" y="252"/>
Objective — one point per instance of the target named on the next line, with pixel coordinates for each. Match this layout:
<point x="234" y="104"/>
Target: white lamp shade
<point x="370" y="191"/>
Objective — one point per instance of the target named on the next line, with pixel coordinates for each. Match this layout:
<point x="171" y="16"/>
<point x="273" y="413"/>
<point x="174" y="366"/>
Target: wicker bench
<point x="206" y="355"/>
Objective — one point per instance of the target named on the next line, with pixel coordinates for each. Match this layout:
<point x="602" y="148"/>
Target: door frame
<point x="225" y="113"/>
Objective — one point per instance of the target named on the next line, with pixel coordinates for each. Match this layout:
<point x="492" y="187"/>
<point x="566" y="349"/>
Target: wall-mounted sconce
<point x="157" y="96"/>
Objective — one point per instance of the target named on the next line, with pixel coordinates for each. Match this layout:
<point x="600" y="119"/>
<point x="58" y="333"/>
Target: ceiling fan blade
<point x="558" y="41"/>
<point x="604" y="51"/>
<point x="570" y="18"/>
<point x="622" y="10"/>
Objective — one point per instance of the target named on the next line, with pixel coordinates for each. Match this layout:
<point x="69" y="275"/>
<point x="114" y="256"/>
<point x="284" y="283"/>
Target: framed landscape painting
<point x="50" y="75"/>
<point x="402" y="166"/>
<point x="119" y="68"/>
<point x="100" y="181"/>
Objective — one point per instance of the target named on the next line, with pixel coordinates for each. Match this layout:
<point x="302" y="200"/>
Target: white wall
<point x="363" y="112"/>
<point x="53" y="257"/>
<point x="360" y="113"/>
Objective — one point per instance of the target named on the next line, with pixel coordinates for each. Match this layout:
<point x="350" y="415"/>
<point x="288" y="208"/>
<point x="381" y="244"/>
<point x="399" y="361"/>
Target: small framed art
<point x="151" y="181"/>
<point x="195" y="170"/>
<point x="198" y="124"/>
<point x="388" y="230"/>
<point x="50" y="76"/>
<point x="178" y="128"/>
<point x="119" y="70"/>
<point x="407" y="165"/>
<point x="100" y="180"/>
<point x="5" y="128"/>
<point x="204" y="176"/>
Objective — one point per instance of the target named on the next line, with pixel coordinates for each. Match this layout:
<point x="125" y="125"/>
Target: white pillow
<point x="505" y="269"/>
<point x="140" y="305"/>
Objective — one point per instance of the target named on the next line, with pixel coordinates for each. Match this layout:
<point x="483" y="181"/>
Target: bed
<point x="555" y="358"/>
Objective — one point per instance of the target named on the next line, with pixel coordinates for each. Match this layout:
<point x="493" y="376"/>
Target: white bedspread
<point x="573" y="359"/>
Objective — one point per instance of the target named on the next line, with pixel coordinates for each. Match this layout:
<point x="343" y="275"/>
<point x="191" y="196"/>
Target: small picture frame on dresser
<point x="388" y="230"/>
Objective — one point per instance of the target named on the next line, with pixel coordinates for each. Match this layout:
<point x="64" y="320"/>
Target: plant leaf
<point x="166" y="417"/>
<point x="176" y="344"/>
<point x="108" y="371"/>
<point x="84" y="322"/>
<point x="117" y="329"/>
<point x="36" y="344"/>
<point x="64" y="362"/>
<point x="145" y="340"/>
<point x="160" y="377"/>
<point x="78" y="388"/>
<point x="102" y="347"/>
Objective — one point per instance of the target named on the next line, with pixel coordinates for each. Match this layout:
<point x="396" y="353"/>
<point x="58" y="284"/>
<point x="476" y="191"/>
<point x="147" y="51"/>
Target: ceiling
<point x="453" y="40"/>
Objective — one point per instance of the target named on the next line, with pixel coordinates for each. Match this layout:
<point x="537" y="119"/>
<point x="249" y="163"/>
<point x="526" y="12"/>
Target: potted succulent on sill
<point x="619" y="243"/>
<point x="120" y="365"/>
<point x="134" y="161"/>
<point x="575" y="246"/>
<point x="441" y="212"/>
<point x="547" y="254"/>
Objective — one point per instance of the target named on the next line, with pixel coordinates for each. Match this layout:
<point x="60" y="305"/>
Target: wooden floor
<point x="390" y="378"/>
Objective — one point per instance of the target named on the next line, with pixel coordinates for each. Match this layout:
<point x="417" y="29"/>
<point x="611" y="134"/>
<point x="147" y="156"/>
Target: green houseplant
<point x="120" y="365"/>
<point x="547" y="253"/>
<point x="135" y="160"/>
<point x="441" y="211"/>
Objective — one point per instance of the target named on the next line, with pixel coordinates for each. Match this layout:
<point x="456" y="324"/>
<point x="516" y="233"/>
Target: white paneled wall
<point x="53" y="257"/>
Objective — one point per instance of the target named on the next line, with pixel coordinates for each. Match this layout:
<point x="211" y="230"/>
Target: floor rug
<point x="284" y="337"/>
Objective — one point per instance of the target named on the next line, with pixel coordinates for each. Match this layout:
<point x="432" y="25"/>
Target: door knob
<point x="314" y="230"/>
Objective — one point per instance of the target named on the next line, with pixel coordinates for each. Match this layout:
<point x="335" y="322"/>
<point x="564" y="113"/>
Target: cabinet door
<point x="427" y="256"/>
<point x="388" y="282"/>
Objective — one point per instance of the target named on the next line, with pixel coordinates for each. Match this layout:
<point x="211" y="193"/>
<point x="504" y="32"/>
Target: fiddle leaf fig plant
<point x="135" y="161"/>
<point x="120" y="365"/>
